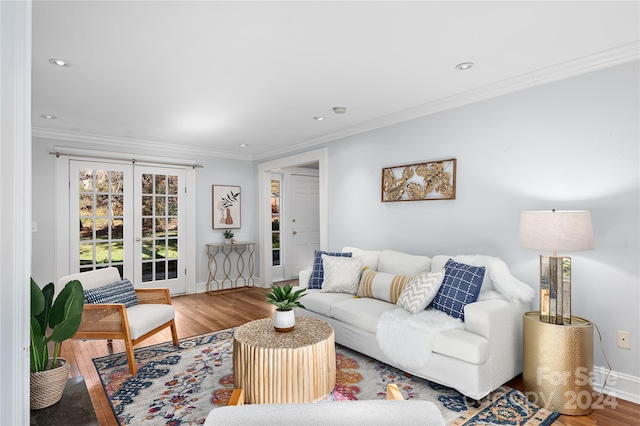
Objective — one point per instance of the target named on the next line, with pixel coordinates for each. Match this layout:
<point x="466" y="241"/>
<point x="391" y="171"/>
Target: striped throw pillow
<point x="383" y="286"/>
<point x="119" y="292"/>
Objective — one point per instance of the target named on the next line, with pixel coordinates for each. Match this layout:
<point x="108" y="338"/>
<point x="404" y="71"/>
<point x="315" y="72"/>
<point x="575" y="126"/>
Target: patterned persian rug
<point x="180" y="385"/>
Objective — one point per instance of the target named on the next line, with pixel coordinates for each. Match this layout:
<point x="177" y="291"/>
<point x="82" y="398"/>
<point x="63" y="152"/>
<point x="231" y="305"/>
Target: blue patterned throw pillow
<point x="461" y="286"/>
<point x="119" y="292"/>
<point x="317" y="274"/>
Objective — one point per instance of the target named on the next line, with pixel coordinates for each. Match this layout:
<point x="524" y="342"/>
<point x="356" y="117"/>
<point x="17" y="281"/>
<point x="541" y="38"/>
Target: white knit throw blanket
<point x="407" y="339"/>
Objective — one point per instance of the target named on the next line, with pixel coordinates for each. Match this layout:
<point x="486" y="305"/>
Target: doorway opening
<point x="267" y="170"/>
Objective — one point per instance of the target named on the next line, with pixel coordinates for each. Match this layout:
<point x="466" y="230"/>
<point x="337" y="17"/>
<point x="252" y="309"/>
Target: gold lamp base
<point x="558" y="364"/>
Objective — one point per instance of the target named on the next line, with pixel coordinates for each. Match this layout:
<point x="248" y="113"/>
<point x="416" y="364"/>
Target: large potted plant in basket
<point x="62" y="318"/>
<point x="285" y="299"/>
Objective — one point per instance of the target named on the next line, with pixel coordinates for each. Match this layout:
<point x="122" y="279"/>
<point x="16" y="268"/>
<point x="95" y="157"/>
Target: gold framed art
<point x="429" y="180"/>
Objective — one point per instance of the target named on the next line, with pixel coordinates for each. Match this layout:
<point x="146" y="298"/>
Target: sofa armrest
<point x="303" y="278"/>
<point x="500" y="322"/>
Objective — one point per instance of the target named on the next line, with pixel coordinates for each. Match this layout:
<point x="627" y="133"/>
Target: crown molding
<point x="134" y="143"/>
<point x="605" y="59"/>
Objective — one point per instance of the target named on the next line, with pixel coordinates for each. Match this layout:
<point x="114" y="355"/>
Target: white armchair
<point x="153" y="313"/>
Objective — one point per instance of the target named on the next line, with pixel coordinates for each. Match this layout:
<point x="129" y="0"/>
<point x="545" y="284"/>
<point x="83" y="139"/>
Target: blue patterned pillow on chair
<point x="317" y="274"/>
<point x="461" y="286"/>
<point x="119" y="292"/>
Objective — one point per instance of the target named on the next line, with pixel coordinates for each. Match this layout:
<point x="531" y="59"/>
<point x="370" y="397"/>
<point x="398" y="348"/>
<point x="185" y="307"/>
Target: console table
<point x="221" y="265"/>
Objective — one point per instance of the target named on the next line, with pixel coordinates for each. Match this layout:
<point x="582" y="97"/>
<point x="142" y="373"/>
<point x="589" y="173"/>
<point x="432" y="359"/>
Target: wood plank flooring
<point x="204" y="313"/>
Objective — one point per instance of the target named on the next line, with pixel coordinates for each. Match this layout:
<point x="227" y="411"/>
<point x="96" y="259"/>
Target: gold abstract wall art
<point x="429" y="180"/>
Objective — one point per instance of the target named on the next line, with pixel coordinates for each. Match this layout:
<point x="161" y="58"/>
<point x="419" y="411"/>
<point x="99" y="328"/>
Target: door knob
<point x="138" y="239"/>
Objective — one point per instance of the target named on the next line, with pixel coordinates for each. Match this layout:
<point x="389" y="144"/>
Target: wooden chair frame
<point x="109" y="321"/>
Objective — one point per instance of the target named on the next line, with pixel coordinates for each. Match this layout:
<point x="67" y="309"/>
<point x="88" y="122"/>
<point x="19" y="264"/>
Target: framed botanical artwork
<point x="225" y="204"/>
<point x="429" y="180"/>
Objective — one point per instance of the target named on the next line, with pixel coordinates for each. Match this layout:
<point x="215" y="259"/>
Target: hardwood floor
<point x="204" y="313"/>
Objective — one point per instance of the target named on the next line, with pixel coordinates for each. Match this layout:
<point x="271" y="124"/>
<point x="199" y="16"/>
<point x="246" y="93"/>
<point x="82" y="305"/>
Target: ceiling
<point x="205" y="77"/>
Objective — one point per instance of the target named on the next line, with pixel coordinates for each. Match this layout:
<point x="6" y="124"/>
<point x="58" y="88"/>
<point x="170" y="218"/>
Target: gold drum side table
<point x="558" y="364"/>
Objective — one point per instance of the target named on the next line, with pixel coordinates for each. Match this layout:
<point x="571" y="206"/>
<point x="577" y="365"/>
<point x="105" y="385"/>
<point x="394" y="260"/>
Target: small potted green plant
<point x="285" y="299"/>
<point x="62" y="318"/>
<point x="228" y="235"/>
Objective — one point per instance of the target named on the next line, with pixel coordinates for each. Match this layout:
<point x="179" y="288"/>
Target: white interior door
<point x="159" y="228"/>
<point x="303" y="230"/>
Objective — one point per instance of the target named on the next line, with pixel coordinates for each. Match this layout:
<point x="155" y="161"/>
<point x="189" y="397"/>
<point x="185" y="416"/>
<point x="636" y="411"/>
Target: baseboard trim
<point x="619" y="385"/>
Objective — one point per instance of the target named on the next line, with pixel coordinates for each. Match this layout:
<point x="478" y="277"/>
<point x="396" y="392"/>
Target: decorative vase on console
<point x="285" y="300"/>
<point x="227" y="235"/>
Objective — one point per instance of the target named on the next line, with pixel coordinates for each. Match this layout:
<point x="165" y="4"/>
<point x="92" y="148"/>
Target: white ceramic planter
<point x="284" y="321"/>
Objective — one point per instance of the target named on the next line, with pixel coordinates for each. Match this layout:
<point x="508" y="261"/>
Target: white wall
<point x="572" y="144"/>
<point x="215" y="171"/>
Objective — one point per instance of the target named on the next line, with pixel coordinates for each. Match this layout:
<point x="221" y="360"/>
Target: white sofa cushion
<point x="395" y="262"/>
<point x="341" y="274"/>
<point x="369" y="258"/>
<point x="145" y="317"/>
<point x="360" y="312"/>
<point x="381" y="285"/>
<point x="420" y="291"/>
<point x="317" y="301"/>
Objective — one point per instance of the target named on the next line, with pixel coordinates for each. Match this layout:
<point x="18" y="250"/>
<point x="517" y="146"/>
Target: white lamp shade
<point x="556" y="230"/>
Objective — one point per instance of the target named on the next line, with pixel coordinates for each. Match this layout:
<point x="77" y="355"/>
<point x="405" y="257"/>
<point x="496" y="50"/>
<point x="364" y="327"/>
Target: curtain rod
<point x="132" y="160"/>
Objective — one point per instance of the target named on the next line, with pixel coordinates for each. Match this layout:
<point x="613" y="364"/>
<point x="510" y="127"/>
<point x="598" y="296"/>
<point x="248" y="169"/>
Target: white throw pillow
<point x="341" y="274"/>
<point x="421" y="291"/>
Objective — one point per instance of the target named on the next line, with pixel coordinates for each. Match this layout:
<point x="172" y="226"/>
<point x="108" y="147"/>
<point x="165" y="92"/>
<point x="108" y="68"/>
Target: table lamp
<point x="556" y="230"/>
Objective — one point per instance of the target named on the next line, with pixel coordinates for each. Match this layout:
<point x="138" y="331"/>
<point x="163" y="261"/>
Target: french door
<point x="129" y="217"/>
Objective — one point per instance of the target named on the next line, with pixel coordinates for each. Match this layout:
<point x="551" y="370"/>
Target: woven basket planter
<point x="47" y="386"/>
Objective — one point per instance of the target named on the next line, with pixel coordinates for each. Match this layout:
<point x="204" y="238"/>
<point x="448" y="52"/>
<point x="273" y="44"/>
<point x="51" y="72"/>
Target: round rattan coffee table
<point x="278" y="368"/>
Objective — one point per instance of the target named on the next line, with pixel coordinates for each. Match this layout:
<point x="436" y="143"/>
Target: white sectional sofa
<point x="474" y="355"/>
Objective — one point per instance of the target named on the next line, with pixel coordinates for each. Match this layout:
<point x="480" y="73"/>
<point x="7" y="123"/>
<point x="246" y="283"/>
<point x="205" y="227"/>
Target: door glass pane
<point x="101" y="224"/>
<point x="161" y="186"/>
<point x="117" y="182"/>
<point x="117" y="229"/>
<point x="160" y="206"/>
<point x="102" y="180"/>
<point x="147" y="249"/>
<point x="147" y="183"/>
<point x="172" y="271"/>
<point x="147" y="271"/>
<point x="172" y="183"/>
<point x="147" y="227"/>
<point x="147" y="206"/>
<point x="160" y="268"/>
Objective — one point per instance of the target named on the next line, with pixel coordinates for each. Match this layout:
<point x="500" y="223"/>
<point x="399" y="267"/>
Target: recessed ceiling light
<point x="48" y="117"/>
<point x="318" y="118"/>
<point x="464" y="66"/>
<point x="59" y="62"/>
<point x="339" y="110"/>
<point x="244" y="145"/>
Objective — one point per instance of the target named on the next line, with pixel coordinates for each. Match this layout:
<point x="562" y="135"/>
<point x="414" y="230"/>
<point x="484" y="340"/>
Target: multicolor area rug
<point x="180" y="385"/>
